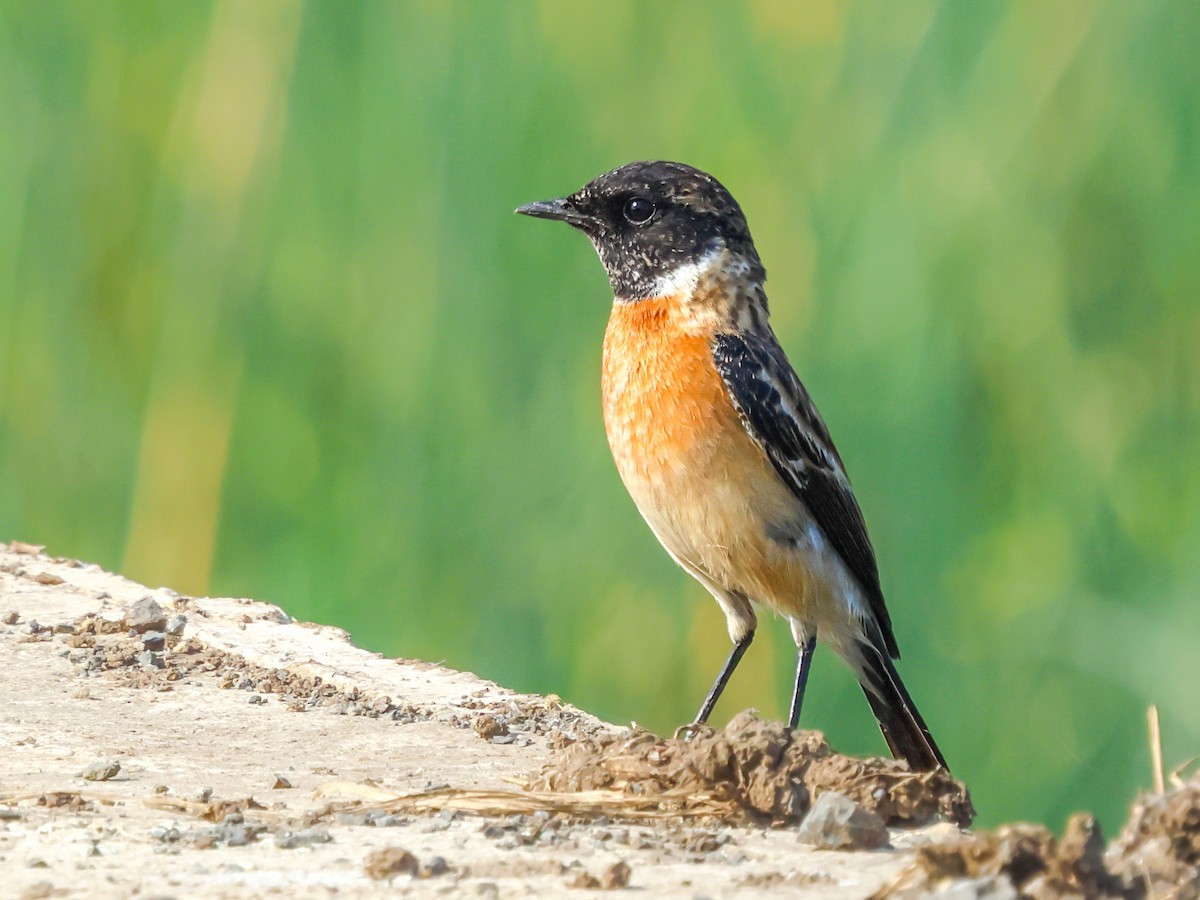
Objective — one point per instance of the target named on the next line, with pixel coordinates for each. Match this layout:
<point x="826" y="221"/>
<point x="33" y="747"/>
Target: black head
<point x="648" y="219"/>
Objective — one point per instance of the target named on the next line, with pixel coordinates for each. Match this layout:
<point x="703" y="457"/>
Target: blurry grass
<point x="268" y="327"/>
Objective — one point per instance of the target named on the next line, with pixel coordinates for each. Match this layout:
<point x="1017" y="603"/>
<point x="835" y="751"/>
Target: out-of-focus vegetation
<point x="268" y="327"/>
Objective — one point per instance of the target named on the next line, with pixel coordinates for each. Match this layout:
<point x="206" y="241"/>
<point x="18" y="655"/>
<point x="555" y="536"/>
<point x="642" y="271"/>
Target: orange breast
<point x="698" y="479"/>
<point x="662" y="395"/>
<point x="706" y="489"/>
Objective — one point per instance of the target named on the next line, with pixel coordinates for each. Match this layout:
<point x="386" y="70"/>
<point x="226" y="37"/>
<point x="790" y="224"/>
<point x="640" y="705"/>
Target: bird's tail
<point x="903" y="728"/>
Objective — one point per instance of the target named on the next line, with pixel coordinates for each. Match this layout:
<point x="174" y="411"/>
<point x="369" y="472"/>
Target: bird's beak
<point x="562" y="210"/>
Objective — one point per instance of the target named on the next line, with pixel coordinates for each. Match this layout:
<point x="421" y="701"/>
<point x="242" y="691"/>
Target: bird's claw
<point x="689" y="731"/>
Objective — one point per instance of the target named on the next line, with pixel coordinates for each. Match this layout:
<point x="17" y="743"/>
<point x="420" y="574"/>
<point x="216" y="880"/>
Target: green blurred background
<point x="268" y="327"/>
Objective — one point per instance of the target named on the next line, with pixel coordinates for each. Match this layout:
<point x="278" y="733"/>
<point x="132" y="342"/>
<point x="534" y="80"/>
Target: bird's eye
<point x="638" y="210"/>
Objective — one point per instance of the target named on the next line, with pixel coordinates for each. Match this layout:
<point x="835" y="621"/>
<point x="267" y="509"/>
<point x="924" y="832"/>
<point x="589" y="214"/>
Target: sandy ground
<point x="188" y="741"/>
<point x="258" y="755"/>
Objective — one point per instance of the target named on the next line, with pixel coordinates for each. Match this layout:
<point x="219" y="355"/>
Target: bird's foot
<point x="689" y="731"/>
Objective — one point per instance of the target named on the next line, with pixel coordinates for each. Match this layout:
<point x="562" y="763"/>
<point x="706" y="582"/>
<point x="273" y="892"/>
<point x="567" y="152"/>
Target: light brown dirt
<point x="401" y="773"/>
<point x="1158" y="850"/>
<point x="217" y="748"/>
<point x="752" y="771"/>
<point x="1156" y="856"/>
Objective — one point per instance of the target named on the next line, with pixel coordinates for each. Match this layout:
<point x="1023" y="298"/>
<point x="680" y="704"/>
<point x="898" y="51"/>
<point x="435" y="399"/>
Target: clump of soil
<point x="1026" y="856"/>
<point x="1159" y="847"/>
<point x="759" y="771"/>
<point x="1157" y="855"/>
<point x="614" y="878"/>
<point x="388" y="862"/>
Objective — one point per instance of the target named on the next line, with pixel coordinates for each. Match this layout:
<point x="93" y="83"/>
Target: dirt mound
<point x="1028" y="857"/>
<point x="755" y="771"/>
<point x="1159" y="847"/>
<point x="1157" y="855"/>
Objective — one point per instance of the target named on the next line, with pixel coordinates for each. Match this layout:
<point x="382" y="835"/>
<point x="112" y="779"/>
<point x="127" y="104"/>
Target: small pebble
<point x="238" y="835"/>
<point x="145" y="615"/>
<point x="148" y="659"/>
<point x="836" y="822"/>
<point x="290" y="840"/>
<point x="168" y="835"/>
<point x="154" y="640"/>
<point x="436" y="866"/>
<point x="101" y="771"/>
<point x="387" y="821"/>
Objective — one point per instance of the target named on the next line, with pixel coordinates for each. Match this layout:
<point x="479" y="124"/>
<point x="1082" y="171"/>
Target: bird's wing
<point x="776" y="411"/>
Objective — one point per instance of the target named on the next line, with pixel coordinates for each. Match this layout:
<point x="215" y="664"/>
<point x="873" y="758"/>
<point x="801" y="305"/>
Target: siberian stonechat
<point x="718" y="442"/>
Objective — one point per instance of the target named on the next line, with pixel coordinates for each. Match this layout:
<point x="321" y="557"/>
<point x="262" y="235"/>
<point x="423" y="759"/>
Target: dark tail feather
<point x="903" y="728"/>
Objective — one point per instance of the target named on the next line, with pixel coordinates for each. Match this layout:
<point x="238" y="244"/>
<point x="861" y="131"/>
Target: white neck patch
<point x="683" y="280"/>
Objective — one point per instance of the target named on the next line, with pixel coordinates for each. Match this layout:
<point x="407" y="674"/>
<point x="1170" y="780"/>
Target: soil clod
<point x="388" y="862"/>
<point x="488" y="727"/>
<point x="1159" y="848"/>
<point x="753" y="770"/>
<point x="614" y="878"/>
<point x="1157" y="855"/>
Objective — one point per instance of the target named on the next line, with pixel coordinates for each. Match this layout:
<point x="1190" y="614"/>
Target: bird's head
<point x="656" y="225"/>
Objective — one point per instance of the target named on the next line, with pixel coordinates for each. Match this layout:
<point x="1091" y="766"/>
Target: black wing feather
<point x="779" y="416"/>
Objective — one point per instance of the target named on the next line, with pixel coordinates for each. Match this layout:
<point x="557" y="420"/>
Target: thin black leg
<point x="735" y="656"/>
<point x="802" y="666"/>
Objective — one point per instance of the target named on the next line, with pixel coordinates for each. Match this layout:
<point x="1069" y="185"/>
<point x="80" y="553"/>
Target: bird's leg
<point x="735" y="656"/>
<point x="806" y="648"/>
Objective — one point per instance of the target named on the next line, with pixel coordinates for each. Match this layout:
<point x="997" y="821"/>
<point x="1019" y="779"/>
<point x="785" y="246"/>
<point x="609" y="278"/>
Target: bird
<point x="718" y="442"/>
